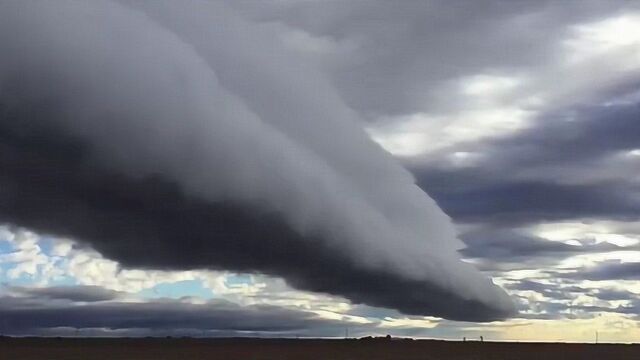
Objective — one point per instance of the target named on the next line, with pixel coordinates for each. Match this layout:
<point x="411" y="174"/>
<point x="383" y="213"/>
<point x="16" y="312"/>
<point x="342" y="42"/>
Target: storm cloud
<point x="86" y="293"/>
<point x="610" y="270"/>
<point x="34" y="315"/>
<point x="575" y="162"/>
<point x="188" y="138"/>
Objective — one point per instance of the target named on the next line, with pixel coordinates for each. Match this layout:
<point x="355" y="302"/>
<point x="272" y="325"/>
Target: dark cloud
<point x="499" y="249"/>
<point x="528" y="201"/>
<point x="124" y="219"/>
<point x="79" y="293"/>
<point x="34" y="311"/>
<point x="167" y="316"/>
<point x="558" y="169"/>
<point x="226" y="151"/>
<point x="554" y="291"/>
<point x="221" y="153"/>
<point x="578" y="135"/>
<point x="610" y="270"/>
<point x="612" y="294"/>
<point x="566" y="164"/>
<point x="514" y="245"/>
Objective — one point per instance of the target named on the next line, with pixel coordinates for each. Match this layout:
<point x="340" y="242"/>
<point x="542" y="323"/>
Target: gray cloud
<point x="188" y="138"/>
<point x="168" y="316"/>
<point x="496" y="250"/>
<point x="513" y="245"/>
<point x="399" y="60"/>
<point x="391" y="59"/>
<point x="612" y="294"/>
<point x="80" y="293"/>
<point x="281" y="180"/>
<point x="35" y="311"/>
<point x="610" y="270"/>
<point x="567" y="163"/>
<point x="522" y="202"/>
<point x="554" y="291"/>
<point x="556" y="170"/>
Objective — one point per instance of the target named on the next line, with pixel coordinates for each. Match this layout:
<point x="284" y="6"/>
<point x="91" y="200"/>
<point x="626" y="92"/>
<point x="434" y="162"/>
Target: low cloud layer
<point x="32" y="312"/>
<point x="184" y="138"/>
<point x="79" y="293"/>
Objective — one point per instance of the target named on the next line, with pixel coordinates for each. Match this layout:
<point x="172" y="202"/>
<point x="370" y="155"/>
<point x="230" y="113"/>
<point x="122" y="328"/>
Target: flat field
<point x="255" y="349"/>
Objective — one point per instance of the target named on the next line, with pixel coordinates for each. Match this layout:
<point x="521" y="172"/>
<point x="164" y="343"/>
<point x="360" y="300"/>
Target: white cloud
<point x="422" y="134"/>
<point x="591" y="231"/>
<point x="606" y="37"/>
<point x="27" y="257"/>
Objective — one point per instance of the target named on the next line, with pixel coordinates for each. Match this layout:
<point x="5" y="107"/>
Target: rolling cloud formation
<point x="184" y="136"/>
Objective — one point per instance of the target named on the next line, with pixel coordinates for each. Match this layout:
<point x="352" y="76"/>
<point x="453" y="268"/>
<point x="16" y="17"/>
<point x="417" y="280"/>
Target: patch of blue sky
<point x="4" y="267"/>
<point x="6" y="246"/>
<point x="238" y="279"/>
<point x="46" y="245"/>
<point x="23" y="279"/>
<point x="62" y="280"/>
<point x="176" y="290"/>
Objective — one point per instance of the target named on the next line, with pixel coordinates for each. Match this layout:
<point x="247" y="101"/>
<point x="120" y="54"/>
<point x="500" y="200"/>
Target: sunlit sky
<point x="520" y="119"/>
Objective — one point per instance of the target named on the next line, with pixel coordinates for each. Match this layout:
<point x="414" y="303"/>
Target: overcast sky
<point x="298" y="168"/>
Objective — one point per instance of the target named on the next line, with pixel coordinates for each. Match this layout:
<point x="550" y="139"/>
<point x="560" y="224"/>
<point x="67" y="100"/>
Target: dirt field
<point x="254" y="349"/>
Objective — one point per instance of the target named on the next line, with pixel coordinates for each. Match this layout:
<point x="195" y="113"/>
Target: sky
<point x="287" y="168"/>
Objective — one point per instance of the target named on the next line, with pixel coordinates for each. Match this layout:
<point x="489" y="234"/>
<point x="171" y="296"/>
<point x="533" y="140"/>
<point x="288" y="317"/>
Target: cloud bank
<point x="187" y="137"/>
<point x="95" y="311"/>
<point x="29" y="311"/>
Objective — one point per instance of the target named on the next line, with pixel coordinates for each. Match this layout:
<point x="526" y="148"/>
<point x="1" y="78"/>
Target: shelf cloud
<point x="187" y="137"/>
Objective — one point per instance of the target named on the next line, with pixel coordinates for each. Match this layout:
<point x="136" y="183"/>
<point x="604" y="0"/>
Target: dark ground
<point x="254" y="349"/>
